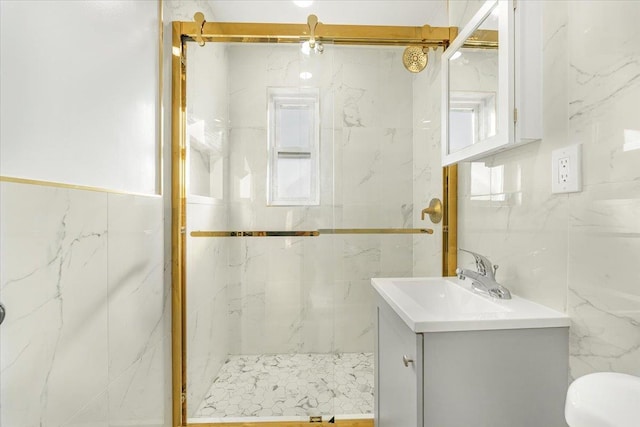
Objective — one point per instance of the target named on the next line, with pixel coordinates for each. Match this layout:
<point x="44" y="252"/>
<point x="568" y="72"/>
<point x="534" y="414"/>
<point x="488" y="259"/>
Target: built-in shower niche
<point x="206" y="159"/>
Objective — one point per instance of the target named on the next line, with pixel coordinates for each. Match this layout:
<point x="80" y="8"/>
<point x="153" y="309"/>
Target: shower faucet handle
<point x="434" y="210"/>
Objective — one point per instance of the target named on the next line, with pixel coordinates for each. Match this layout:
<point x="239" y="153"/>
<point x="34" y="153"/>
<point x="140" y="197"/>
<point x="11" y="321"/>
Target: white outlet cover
<point x="567" y="180"/>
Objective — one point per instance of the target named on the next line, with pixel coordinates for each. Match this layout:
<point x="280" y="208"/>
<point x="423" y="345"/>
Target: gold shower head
<point x="415" y="58"/>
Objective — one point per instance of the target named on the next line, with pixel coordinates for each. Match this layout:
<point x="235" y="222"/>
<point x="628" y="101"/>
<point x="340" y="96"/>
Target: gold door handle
<point x="434" y="210"/>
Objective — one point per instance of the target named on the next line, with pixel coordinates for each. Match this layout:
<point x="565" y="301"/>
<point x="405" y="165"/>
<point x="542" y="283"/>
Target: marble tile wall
<point x="427" y="169"/>
<point x="572" y="252"/>
<point x="86" y="331"/>
<point x="604" y="220"/>
<point x="207" y="300"/>
<point x="313" y="294"/>
<point x="207" y="275"/>
<point x="86" y="341"/>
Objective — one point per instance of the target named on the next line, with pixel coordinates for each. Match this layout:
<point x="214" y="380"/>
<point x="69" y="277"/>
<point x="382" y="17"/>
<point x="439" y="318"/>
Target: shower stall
<point x="300" y="169"/>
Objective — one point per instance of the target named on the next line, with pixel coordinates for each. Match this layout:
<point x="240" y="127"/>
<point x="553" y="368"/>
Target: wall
<point x="207" y="275"/>
<point x="86" y="341"/>
<point x="603" y="224"/>
<point x="51" y="119"/>
<point x="573" y="252"/>
<point x="313" y="294"/>
<point x="427" y="170"/>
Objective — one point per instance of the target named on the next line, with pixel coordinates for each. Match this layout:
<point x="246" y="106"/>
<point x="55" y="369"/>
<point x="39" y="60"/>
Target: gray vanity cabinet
<point x="480" y="378"/>
<point x="398" y="373"/>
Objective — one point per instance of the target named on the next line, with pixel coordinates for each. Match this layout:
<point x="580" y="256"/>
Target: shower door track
<point x="203" y="32"/>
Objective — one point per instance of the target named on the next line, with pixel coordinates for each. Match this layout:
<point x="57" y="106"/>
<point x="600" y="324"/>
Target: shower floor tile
<point x="291" y="385"/>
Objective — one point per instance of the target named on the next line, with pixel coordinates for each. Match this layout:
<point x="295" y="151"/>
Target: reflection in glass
<point x="473" y="86"/>
<point x="487" y="183"/>
<point x="631" y="140"/>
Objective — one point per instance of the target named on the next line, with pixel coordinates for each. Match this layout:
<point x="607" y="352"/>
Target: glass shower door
<point x="259" y="305"/>
<point x="279" y="303"/>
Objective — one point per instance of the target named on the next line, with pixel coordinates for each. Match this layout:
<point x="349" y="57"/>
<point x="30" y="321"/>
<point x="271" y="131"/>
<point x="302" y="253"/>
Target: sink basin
<point x="438" y="304"/>
<point x="604" y="399"/>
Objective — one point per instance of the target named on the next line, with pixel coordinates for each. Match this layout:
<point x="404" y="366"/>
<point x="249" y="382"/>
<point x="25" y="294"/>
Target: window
<point x="472" y="118"/>
<point x="293" y="138"/>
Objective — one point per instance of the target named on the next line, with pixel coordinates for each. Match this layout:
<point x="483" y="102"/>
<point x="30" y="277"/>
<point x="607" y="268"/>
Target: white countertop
<point x="439" y="304"/>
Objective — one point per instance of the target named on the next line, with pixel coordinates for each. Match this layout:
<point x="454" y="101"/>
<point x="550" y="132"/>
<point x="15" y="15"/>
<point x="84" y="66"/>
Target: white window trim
<point x="288" y="96"/>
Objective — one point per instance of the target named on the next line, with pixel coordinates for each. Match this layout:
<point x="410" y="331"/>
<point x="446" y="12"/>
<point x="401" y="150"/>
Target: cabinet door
<point x="398" y="387"/>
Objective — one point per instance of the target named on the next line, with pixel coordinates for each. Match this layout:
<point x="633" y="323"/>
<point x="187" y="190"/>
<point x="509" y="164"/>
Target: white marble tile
<point x="604" y="240"/>
<point x="357" y="92"/>
<point x="248" y="170"/>
<point x="136" y="395"/>
<point x="136" y="297"/>
<point x="207" y="346"/>
<point x="603" y="226"/>
<point x="317" y="320"/>
<point x="460" y="12"/>
<point x="207" y="298"/>
<point x="353" y="316"/>
<point x="283" y="64"/>
<point x="604" y="66"/>
<point x="54" y="283"/>
<point x="248" y="86"/>
<point x="183" y="10"/>
<point x="524" y="233"/>
<point x="93" y="414"/>
<point x="426" y="170"/>
<point x="207" y="119"/>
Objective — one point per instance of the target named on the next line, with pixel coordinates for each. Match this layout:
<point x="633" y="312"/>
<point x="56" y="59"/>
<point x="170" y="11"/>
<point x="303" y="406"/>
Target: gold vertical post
<point x="178" y="224"/>
<point x="450" y="220"/>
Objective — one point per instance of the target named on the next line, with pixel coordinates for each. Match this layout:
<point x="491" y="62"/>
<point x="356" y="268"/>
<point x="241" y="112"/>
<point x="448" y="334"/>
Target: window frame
<point x="277" y="98"/>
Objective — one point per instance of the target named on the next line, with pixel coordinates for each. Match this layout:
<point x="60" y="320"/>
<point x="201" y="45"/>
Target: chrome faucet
<point x="484" y="280"/>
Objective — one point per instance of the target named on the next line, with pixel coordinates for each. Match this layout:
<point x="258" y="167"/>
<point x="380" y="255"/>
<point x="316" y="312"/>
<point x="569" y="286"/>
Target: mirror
<point x="490" y="73"/>
<point x="475" y="87"/>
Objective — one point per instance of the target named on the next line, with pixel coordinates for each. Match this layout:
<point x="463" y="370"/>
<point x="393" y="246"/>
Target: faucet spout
<point x="484" y="280"/>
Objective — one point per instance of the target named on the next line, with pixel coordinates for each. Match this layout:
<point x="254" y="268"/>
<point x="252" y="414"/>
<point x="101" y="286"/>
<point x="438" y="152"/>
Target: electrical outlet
<point x="566" y="169"/>
<point x="563" y="170"/>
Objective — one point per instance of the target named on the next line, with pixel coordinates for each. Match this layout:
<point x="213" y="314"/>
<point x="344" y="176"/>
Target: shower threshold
<point x="290" y="387"/>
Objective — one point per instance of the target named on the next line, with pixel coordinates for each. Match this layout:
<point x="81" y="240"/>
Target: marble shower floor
<point x="291" y="385"/>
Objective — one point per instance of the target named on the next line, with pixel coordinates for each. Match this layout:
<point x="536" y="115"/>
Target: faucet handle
<point x="459" y="274"/>
<point x="495" y="268"/>
<point x="483" y="264"/>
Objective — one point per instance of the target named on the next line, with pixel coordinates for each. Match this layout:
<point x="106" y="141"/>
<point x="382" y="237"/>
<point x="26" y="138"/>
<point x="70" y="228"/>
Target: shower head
<point x="415" y="58"/>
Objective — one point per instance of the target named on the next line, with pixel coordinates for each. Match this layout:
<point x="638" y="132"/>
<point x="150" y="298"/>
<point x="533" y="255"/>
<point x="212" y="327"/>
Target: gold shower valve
<point x="434" y="210"/>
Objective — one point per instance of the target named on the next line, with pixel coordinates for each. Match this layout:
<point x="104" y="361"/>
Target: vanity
<point x="446" y="356"/>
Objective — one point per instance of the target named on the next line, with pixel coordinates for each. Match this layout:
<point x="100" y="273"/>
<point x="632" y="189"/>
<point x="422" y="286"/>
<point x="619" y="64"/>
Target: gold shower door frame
<point x="204" y="32"/>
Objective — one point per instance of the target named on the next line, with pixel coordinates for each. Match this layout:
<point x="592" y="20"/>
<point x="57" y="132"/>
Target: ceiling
<point x="358" y="12"/>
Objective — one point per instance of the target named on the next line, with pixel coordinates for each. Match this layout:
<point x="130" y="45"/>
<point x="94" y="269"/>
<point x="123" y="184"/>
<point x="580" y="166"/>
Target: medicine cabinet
<point x="492" y="82"/>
